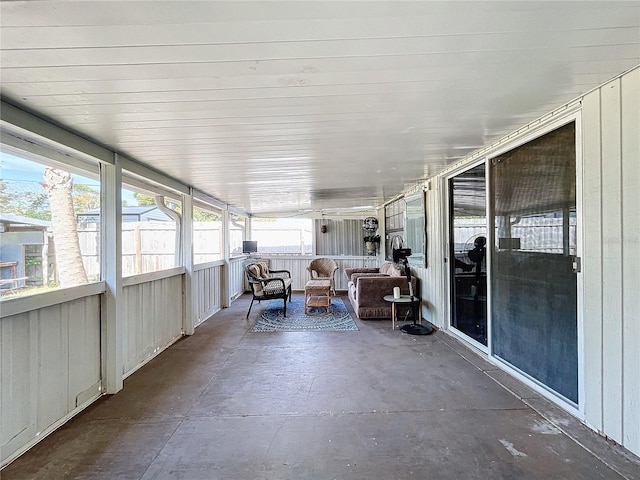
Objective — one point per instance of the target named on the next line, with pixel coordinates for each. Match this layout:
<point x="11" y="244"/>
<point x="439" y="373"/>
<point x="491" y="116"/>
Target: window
<point x="151" y="219"/>
<point x="207" y="234"/>
<point x="237" y="229"/>
<point x="394" y="226"/>
<point x="550" y="232"/>
<point x="283" y="235"/>
<point x="45" y="244"/>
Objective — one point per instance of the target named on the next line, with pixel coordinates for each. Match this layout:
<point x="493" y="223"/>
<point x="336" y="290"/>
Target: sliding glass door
<point x="530" y="240"/>
<point x="533" y="260"/>
<point x="467" y="245"/>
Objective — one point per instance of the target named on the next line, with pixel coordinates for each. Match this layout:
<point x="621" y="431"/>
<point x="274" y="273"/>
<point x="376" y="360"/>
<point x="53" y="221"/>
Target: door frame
<point x="448" y="288"/>
<point x="572" y="113"/>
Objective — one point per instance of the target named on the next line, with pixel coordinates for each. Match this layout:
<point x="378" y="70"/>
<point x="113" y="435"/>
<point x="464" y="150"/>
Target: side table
<point x="317" y="293"/>
<point x="416" y="328"/>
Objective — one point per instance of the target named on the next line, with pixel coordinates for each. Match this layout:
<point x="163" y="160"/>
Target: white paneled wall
<point x="50" y="369"/>
<point x="236" y="277"/>
<point x="610" y="330"/>
<point x="433" y="277"/>
<point x="611" y="264"/>
<point x="298" y="267"/>
<point x="207" y="284"/>
<point x="152" y="319"/>
<point x="343" y="237"/>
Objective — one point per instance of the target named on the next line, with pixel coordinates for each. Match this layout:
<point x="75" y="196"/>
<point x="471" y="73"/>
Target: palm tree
<point x="59" y="185"/>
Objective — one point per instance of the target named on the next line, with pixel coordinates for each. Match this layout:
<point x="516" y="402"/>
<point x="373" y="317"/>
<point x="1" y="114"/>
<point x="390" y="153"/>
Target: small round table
<point x="415" y="328"/>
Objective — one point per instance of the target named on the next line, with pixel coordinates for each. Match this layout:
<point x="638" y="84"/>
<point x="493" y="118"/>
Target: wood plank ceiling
<point x="295" y="106"/>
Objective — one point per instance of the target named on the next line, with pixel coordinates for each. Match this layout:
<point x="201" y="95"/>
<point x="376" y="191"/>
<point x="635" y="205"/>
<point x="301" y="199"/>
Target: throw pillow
<point x="264" y="269"/>
<point x="255" y="270"/>
<point x="390" y="269"/>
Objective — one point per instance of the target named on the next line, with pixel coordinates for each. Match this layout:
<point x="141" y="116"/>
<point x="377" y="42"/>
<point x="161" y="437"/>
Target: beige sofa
<point x="368" y="286"/>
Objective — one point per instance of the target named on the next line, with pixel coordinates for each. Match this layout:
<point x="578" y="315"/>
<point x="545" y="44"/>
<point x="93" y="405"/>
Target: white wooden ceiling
<point x="292" y="106"/>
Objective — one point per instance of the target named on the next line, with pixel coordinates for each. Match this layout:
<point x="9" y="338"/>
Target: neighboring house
<point x="23" y="250"/>
<point x="143" y="213"/>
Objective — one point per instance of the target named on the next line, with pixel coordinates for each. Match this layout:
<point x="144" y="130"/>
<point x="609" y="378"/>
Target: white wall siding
<point x="297" y="265"/>
<point x="343" y="237"/>
<point x="611" y="266"/>
<point x="433" y="277"/>
<point x="152" y="313"/>
<point x="610" y="122"/>
<point x="300" y="275"/>
<point x="207" y="286"/>
<point x="50" y="364"/>
<point x="236" y="277"/>
<point x="630" y="118"/>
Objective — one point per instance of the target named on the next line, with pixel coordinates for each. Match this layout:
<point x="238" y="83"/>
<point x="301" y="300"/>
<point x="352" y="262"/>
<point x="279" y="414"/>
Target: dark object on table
<point x="415" y="328"/>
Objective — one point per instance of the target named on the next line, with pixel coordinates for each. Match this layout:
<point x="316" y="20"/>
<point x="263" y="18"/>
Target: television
<point x="249" y="246"/>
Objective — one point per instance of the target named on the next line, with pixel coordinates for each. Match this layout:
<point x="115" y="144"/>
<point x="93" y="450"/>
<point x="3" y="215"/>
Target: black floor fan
<point x="414" y="328"/>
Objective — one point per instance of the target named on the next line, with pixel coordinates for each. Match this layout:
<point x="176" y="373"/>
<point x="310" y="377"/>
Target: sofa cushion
<point x="391" y="269"/>
<point x="349" y="271"/>
<point x="271" y="288"/>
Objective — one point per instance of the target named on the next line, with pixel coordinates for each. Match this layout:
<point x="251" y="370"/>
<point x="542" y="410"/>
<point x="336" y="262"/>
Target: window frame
<point x="54" y="156"/>
<point x="136" y="182"/>
<point x="216" y="211"/>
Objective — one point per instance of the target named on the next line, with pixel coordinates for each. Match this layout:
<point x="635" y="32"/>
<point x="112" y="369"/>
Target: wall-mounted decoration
<point x="370" y="224"/>
<point x="415" y="236"/>
<point x="371" y="239"/>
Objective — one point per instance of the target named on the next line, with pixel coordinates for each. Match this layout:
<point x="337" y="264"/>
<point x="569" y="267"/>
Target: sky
<point x="16" y="169"/>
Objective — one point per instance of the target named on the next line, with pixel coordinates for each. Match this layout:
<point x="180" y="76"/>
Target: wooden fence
<point x="150" y="246"/>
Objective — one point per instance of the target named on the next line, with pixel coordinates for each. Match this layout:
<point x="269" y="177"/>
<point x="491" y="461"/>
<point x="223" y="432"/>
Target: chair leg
<point x="284" y="300"/>
<point x="250" y="308"/>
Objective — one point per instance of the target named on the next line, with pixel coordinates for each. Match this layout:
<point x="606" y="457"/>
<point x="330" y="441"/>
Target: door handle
<point x="576" y="264"/>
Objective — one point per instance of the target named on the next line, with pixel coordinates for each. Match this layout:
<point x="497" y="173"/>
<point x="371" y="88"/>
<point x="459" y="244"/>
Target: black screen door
<point x="533" y="285"/>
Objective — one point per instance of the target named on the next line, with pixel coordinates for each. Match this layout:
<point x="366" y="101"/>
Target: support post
<point x="189" y="297"/>
<point x="111" y="244"/>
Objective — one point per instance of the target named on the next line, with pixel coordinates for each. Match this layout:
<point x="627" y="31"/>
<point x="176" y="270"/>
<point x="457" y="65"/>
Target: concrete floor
<point x="227" y="403"/>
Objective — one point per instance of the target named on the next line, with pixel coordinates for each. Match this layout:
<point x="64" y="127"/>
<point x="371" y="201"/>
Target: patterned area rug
<point x="317" y="320"/>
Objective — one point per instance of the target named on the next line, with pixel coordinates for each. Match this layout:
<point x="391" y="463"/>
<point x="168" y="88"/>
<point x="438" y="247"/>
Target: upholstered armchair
<point x="267" y="284"/>
<point x="323" y="268"/>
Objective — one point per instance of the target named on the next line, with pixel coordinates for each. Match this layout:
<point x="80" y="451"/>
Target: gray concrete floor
<point x="227" y="403"/>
